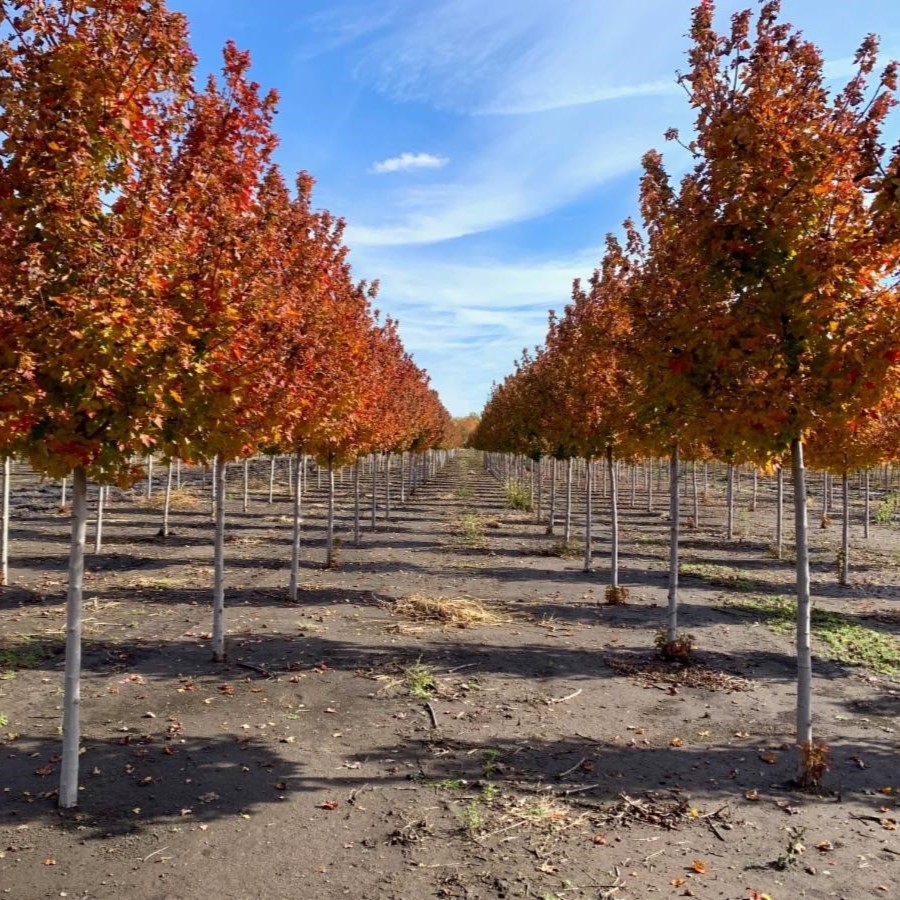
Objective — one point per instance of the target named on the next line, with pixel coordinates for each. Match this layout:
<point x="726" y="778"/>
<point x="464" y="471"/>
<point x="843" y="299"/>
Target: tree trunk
<point x="329" y="534"/>
<point x="672" y="629"/>
<point x="214" y="487"/>
<point x="779" y="513"/>
<point x="387" y="487"/>
<point x="804" y="650"/>
<point x="588" y="515"/>
<point x="614" y="525"/>
<point x="696" y="493"/>
<point x="374" y="489"/>
<point x="755" y="490"/>
<point x="218" y="628"/>
<point x="68" y="780"/>
<point x="272" y="479"/>
<point x="845" y="530"/>
<point x="98" y="534"/>
<point x="62" y="495"/>
<point x="729" y="503"/>
<point x="567" y="528"/>
<point x="149" y="476"/>
<point x="178" y="474"/>
<point x="866" y="511"/>
<point x="403" y="478"/>
<point x="649" y="486"/>
<point x="539" y="475"/>
<point x="246" y="502"/>
<point x="297" y="525"/>
<point x="4" y="521"/>
<point x="552" y="517"/>
<point x="356" y="474"/>
<point x="167" y="503"/>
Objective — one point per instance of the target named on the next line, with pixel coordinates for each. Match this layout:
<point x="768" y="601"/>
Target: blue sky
<point x="481" y="149"/>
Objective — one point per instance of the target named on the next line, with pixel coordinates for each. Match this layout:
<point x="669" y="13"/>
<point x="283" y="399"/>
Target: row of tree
<point x="755" y="317"/>
<point x="162" y="289"/>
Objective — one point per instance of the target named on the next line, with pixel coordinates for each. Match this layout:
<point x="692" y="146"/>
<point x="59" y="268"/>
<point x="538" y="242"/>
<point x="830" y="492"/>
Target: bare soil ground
<point x="348" y="750"/>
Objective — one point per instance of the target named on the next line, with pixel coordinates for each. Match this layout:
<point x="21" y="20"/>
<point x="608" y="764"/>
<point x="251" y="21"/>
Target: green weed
<point x="844" y="640"/>
<point x="517" y="496"/>
<point x="718" y="575"/>
<point x="420" y="680"/>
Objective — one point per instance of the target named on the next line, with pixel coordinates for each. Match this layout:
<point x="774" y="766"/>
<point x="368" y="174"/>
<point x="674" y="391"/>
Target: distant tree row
<point x="755" y="317"/>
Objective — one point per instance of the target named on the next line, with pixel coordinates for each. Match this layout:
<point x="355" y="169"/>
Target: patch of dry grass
<point x="182" y="499"/>
<point x="461" y="612"/>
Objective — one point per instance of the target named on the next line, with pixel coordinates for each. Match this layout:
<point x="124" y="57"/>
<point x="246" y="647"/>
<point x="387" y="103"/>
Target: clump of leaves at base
<point x="616" y="596"/>
<point x="679" y="649"/>
<point x="815" y="758"/>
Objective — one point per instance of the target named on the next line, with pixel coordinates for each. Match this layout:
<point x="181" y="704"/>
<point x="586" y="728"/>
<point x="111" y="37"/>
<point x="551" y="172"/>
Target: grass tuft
<point x="462" y="612"/>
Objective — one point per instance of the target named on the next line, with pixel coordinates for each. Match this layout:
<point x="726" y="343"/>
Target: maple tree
<point x="91" y="101"/>
<point x="800" y="320"/>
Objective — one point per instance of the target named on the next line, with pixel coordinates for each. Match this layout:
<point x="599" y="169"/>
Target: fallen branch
<point x="431" y="714"/>
<point x="563" y="699"/>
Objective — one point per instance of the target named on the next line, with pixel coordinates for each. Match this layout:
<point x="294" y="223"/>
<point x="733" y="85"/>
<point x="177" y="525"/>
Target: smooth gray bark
<point x="68" y="780"/>
<point x="567" y="527"/>
<point x="729" y="503"/>
<point x="296" y="530"/>
<point x="218" y="629"/>
<point x="845" y="529"/>
<point x="588" y="515"/>
<point x="779" y="512"/>
<point x="167" y="503"/>
<point x="4" y="520"/>
<point x="614" y="525"/>
<point x="804" y="648"/>
<point x="329" y="534"/>
<point x="672" y="628"/>
<point x="98" y="533"/>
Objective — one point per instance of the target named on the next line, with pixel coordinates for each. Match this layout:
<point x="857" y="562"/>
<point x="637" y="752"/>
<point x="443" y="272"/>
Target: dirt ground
<point x="347" y="750"/>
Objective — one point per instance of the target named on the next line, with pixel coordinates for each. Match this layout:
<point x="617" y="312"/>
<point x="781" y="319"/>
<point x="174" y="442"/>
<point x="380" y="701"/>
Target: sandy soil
<point x="345" y="750"/>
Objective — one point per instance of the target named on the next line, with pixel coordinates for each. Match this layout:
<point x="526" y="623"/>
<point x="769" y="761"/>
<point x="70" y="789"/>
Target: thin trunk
<point x="779" y="513"/>
<point x="552" y="524"/>
<point x="588" y="515"/>
<point x="387" y="487"/>
<point x="271" y="479"/>
<point x="150" y="476"/>
<point x="4" y="521"/>
<point x="98" y="533"/>
<point x="824" y="497"/>
<point x="633" y="485"/>
<point x="214" y="488"/>
<point x="178" y="474"/>
<point x="866" y="510"/>
<point x="614" y="525"/>
<point x="804" y="649"/>
<point x="62" y="496"/>
<point x="649" y="486"/>
<point x="356" y="474"/>
<point x="167" y="503"/>
<point x="729" y="503"/>
<point x="329" y="534"/>
<point x="68" y="780"/>
<point x="374" y="490"/>
<point x="705" y="479"/>
<point x="672" y="629"/>
<point x="218" y="629"/>
<point x="246" y="484"/>
<point x="755" y="490"/>
<point x="845" y="529"/>
<point x="403" y="478"/>
<point x="297" y="524"/>
<point x="540" y="489"/>
<point x="696" y="493"/>
<point x="290" y="468"/>
<point x="567" y="529"/>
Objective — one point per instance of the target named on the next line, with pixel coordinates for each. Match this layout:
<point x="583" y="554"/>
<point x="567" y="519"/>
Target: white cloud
<point x="406" y="161"/>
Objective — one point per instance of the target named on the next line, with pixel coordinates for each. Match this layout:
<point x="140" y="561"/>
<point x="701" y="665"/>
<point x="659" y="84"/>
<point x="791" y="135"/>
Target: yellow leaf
<point x="698" y="866"/>
<point x="676" y="742"/>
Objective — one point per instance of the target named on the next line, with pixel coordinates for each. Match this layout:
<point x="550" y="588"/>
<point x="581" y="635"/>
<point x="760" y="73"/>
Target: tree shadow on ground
<point x="131" y="784"/>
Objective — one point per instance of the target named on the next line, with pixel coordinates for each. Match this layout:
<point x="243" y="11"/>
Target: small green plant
<point x="679" y="649"/>
<point x="4" y="720"/>
<point x="420" y="680"/>
<point x="473" y="818"/>
<point x="449" y="784"/>
<point x="793" y="851"/>
<point x="491" y="758"/>
<point x="517" y="496"/>
<point x="489" y="792"/>
<point x="25" y="654"/>
<point x="471" y="530"/>
<point x="887" y="509"/>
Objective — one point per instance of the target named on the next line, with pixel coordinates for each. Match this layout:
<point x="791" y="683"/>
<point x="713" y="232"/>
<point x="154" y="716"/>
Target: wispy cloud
<point x="406" y="161"/>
